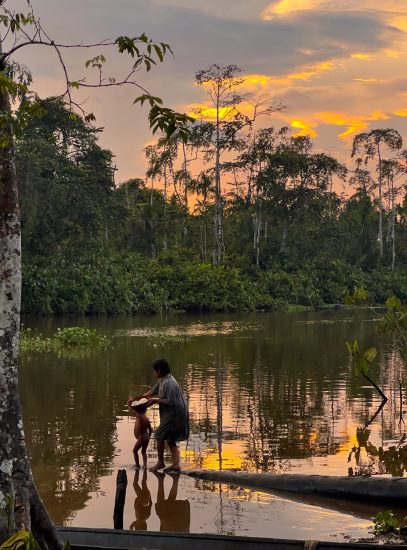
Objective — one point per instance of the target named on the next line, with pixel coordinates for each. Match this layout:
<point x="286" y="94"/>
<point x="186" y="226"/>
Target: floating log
<point x="384" y="490"/>
<point x="120" y="499"/>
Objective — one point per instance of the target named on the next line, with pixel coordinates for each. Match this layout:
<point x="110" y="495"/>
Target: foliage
<point x="361" y="360"/>
<point x="21" y="540"/>
<point x="394" y="322"/>
<point x="161" y="339"/>
<point x="65" y="340"/>
<point x="384" y="523"/>
<point x="92" y="247"/>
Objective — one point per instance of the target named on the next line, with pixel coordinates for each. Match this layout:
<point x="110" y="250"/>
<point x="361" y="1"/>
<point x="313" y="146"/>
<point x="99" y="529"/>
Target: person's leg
<point x="174" y="455"/>
<point x="136" y="449"/>
<point x="160" y="451"/>
<point x="144" y="454"/>
<point x="172" y="495"/>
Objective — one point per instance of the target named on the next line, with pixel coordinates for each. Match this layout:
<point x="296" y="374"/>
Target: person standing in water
<point x="174" y="415"/>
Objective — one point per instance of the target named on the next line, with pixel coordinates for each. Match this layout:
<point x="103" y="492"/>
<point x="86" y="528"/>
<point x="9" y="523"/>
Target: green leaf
<point x="159" y="53"/>
<point x="370" y="354"/>
<point x="361" y="366"/>
<point x="18" y="540"/>
<point x="393" y="303"/>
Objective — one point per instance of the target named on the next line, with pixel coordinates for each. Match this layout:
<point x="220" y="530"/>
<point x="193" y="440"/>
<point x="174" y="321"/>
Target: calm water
<point x="267" y="392"/>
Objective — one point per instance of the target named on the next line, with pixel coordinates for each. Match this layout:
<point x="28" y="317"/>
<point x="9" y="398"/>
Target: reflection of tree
<point x="371" y="459"/>
<point x="142" y="502"/>
<point x="70" y="427"/>
<point x="229" y="509"/>
<point x="267" y="397"/>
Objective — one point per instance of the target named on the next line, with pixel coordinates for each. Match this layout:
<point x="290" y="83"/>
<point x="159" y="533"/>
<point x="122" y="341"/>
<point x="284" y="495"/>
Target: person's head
<point x="141" y="409"/>
<point x="161" y="367"/>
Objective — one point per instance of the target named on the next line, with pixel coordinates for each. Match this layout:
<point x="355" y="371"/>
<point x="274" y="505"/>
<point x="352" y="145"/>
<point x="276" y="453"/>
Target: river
<point x="271" y="392"/>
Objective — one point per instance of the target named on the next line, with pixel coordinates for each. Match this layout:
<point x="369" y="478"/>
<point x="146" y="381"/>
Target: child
<point x="142" y="430"/>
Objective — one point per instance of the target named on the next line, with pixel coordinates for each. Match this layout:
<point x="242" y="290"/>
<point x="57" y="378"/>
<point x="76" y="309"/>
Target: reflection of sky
<point x="217" y="508"/>
<point x="282" y="398"/>
<point x="339" y="67"/>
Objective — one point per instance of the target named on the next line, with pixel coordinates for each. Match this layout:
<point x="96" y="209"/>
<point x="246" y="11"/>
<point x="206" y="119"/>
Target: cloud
<point x="338" y="72"/>
<point x="284" y="8"/>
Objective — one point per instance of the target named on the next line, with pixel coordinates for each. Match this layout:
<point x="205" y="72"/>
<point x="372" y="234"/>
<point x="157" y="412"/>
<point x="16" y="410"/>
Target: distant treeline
<point x="287" y="237"/>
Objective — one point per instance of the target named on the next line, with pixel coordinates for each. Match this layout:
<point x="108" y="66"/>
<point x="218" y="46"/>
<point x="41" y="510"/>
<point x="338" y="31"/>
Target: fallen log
<point x="373" y="489"/>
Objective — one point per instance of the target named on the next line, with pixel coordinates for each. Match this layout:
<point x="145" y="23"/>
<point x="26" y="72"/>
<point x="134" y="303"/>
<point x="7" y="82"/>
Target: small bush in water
<point x="65" y="339"/>
<point x="79" y="336"/>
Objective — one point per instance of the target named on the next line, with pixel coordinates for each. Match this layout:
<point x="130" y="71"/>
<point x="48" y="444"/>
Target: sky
<point x="338" y="66"/>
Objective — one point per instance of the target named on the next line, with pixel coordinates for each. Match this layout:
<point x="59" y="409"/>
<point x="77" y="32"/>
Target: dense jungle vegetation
<point x="275" y="235"/>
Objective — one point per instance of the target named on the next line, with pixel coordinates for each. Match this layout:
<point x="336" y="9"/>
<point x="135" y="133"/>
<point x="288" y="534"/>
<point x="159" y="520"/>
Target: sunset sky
<point x="338" y="66"/>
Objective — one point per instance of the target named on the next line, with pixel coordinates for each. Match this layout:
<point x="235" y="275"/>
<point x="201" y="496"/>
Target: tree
<point x="371" y="145"/>
<point x="219" y="130"/>
<point x="18" y="493"/>
<point x="65" y="182"/>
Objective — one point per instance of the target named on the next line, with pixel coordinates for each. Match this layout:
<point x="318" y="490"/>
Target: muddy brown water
<point x="269" y="392"/>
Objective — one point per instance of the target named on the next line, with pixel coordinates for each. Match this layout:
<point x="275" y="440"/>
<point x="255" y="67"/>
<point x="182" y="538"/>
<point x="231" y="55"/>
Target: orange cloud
<point x="354" y="124"/>
<point x="392" y="8"/>
<point x="364" y="56"/>
<point x="305" y="128"/>
<point x="258" y="82"/>
<point x="285" y="7"/>
<point x="366" y="80"/>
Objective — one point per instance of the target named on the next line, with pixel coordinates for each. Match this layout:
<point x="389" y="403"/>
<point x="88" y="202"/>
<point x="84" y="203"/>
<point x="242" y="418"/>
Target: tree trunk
<point x="218" y="244"/>
<point x="17" y="486"/>
<point x="380" y="235"/>
<point x="165" y="208"/>
<point x="393" y="225"/>
<point x="283" y="238"/>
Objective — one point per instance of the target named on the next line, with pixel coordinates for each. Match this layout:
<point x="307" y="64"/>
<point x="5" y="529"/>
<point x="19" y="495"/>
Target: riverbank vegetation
<point x="287" y="238"/>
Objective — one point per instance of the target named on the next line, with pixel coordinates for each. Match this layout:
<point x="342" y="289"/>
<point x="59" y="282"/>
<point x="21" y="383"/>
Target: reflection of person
<point x="142" y="432"/>
<point x="142" y="503"/>
<point x="175" y="515"/>
<point x="174" y="417"/>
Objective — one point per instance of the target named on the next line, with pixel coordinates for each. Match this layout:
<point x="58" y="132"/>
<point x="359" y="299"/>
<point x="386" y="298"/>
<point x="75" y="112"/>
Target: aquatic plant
<point x="158" y="339"/>
<point x="385" y="523"/>
<point x="70" y="339"/>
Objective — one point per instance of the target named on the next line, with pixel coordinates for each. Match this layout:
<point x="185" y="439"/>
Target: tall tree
<point x="222" y="84"/>
<point x="371" y="145"/>
<point x="221" y="123"/>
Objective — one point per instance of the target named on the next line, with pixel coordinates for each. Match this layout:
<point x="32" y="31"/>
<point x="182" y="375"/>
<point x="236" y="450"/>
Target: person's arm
<point x="152" y="392"/>
<point x="168" y="394"/>
<point x="147" y="395"/>
<point x="160" y="401"/>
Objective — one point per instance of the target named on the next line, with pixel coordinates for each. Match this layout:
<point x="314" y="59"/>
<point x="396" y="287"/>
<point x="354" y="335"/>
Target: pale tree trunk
<point x="16" y="482"/>
<point x="380" y="234"/>
<point x="165" y="208"/>
<point x="218" y="244"/>
<point x="393" y="226"/>
<point x="257" y="232"/>
<point x="283" y="238"/>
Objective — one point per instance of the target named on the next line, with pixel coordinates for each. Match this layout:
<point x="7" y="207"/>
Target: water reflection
<point x="142" y="502"/>
<point x="270" y="392"/>
<point x="370" y="459"/>
<point x="174" y="514"/>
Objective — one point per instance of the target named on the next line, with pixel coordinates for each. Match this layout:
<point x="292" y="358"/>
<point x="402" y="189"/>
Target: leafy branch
<point x="26" y="30"/>
<point x="361" y="361"/>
